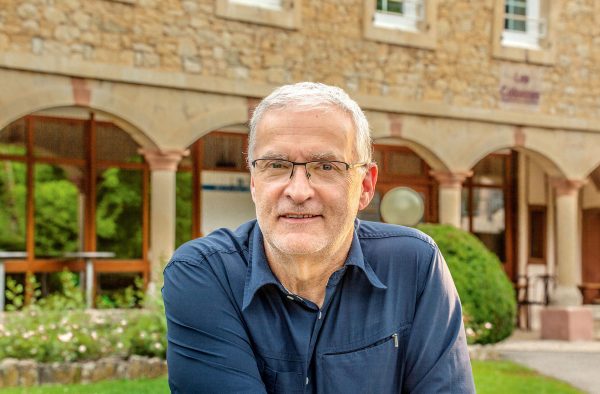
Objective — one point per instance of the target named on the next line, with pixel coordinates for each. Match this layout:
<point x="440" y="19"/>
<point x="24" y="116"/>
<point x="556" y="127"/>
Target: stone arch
<point x="201" y="125"/>
<point x="45" y="98"/>
<point x="430" y="157"/>
<point x="131" y="119"/>
<point x="539" y="157"/>
<point x="58" y="94"/>
<point x="594" y="167"/>
<point x="457" y="145"/>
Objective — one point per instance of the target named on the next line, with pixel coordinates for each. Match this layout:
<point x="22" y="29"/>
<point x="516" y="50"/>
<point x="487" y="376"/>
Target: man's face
<point x="328" y="210"/>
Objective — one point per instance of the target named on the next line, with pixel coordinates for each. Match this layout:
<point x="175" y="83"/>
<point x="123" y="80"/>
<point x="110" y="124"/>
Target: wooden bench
<point x="590" y="292"/>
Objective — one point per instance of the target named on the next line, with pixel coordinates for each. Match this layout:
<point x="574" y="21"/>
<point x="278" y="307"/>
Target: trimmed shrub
<point x="486" y="293"/>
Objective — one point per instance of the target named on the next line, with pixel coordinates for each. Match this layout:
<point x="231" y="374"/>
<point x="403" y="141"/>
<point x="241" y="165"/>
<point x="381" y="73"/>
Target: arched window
<point x="69" y="184"/>
<point x="213" y="186"/>
<point x="487" y="203"/>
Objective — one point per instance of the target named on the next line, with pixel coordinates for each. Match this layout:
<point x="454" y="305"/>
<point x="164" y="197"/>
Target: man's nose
<point x="298" y="187"/>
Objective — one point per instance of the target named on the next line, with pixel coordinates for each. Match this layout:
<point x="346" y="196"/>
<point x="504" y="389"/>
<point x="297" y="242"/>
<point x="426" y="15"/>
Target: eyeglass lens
<point x="318" y="172"/>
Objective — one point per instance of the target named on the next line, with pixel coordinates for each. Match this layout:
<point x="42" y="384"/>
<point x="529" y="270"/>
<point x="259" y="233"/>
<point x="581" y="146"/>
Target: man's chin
<point x="300" y="246"/>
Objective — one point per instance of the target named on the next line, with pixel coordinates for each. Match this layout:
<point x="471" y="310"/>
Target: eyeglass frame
<point x="298" y="163"/>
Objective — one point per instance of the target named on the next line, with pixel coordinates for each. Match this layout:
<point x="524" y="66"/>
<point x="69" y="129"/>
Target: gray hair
<point x="311" y="95"/>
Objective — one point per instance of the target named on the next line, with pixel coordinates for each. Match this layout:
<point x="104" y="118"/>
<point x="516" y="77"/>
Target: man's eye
<point x="277" y="165"/>
<point x="326" y="166"/>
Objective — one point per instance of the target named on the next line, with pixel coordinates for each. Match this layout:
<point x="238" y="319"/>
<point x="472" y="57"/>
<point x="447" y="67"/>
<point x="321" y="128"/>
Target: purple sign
<point x="520" y="85"/>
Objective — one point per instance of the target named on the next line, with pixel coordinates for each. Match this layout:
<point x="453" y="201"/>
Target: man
<point x="307" y="298"/>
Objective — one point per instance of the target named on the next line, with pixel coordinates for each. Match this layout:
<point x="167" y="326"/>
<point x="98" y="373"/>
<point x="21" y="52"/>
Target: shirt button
<point x="306" y="380"/>
<point x="290" y="297"/>
<point x="320" y="315"/>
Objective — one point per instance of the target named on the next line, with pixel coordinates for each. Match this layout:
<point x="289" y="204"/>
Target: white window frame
<point x="269" y="4"/>
<point x="535" y="27"/>
<point x="413" y="13"/>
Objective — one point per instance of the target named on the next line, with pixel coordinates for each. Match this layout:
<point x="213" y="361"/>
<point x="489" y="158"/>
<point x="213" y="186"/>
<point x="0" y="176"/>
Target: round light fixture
<point x="402" y="205"/>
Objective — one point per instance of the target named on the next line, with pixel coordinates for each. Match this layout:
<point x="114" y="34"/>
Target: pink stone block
<point x="573" y="323"/>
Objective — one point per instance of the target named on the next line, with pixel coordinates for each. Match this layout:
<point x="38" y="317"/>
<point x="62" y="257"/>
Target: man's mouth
<point x="299" y="216"/>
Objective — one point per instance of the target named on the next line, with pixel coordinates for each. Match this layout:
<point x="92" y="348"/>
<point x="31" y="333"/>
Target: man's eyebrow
<point x="329" y="156"/>
<point x="274" y="155"/>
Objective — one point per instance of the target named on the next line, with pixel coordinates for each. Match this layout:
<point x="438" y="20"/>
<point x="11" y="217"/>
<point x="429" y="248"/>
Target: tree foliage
<point x="183" y="207"/>
<point x="12" y="205"/>
<point x="119" y="212"/>
<point x="57" y="215"/>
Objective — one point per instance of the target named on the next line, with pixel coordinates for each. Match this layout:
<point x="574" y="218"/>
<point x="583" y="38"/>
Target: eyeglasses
<point x="318" y="172"/>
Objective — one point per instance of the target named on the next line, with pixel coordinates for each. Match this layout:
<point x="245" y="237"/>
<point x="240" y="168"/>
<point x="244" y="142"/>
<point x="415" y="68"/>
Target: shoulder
<point x="394" y="235"/>
<point x="398" y="254"/>
<point x="214" y="246"/>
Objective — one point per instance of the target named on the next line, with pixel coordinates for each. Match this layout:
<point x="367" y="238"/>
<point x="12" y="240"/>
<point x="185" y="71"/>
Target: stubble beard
<point x="315" y="246"/>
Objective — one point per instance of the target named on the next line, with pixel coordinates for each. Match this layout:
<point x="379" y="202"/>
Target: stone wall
<point x="31" y="373"/>
<point x="328" y="45"/>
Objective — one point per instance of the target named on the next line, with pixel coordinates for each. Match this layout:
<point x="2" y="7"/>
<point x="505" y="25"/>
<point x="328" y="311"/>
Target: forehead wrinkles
<point x="278" y="124"/>
<point x="287" y="117"/>
<point x="316" y="156"/>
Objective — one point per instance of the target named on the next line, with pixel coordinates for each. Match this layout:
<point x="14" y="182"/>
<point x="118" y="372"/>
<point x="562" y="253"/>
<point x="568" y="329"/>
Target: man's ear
<point x="252" y="190"/>
<point x="368" y="186"/>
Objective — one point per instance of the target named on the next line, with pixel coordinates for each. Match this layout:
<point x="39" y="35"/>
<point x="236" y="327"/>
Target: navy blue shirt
<point x="391" y="321"/>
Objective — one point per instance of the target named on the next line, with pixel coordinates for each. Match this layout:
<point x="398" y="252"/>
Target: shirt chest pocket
<point x="283" y="382"/>
<point x="371" y="368"/>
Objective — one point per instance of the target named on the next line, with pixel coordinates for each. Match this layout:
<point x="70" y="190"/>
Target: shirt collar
<point x="259" y="273"/>
<point x="357" y="258"/>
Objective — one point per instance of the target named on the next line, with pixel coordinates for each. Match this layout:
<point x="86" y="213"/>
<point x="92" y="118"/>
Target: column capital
<point x="449" y="178"/>
<point x="163" y="160"/>
<point x="565" y="186"/>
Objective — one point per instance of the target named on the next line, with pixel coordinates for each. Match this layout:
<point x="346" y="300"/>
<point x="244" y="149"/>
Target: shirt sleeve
<point x="437" y="358"/>
<point x="208" y="349"/>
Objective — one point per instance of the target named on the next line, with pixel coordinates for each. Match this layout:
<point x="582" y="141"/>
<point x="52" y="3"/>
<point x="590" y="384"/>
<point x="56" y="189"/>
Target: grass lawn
<point x="142" y="386"/>
<point x="500" y="377"/>
<point x="491" y="377"/>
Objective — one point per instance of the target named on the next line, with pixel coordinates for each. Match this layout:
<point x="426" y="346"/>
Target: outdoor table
<point x="4" y="256"/>
<point x="89" y="258"/>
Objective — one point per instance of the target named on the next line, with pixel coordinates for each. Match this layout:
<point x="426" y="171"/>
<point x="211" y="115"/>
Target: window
<point x="285" y="14"/>
<point x="402" y="22"/>
<point x="212" y="180"/>
<point x="486" y="209"/>
<point x="522" y="30"/>
<point x="400" y="166"/>
<point x="537" y="234"/>
<point x="69" y="184"/>
<point x="523" y="26"/>
<point x="273" y="4"/>
<point x="400" y="14"/>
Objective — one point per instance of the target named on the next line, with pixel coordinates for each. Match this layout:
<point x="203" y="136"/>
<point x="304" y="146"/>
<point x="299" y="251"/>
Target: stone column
<point x="568" y="252"/>
<point x="450" y="187"/>
<point x="163" y="168"/>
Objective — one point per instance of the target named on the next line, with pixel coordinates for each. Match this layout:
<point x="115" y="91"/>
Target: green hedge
<point x="486" y="293"/>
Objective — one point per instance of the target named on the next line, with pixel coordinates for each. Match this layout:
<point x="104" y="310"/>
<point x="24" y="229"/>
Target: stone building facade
<point x="481" y="94"/>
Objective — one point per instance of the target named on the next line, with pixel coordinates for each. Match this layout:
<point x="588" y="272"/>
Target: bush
<point x="68" y="297"/>
<point x="486" y="293"/>
<point x="129" y="297"/>
<point x="57" y="328"/>
<point x="73" y="335"/>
